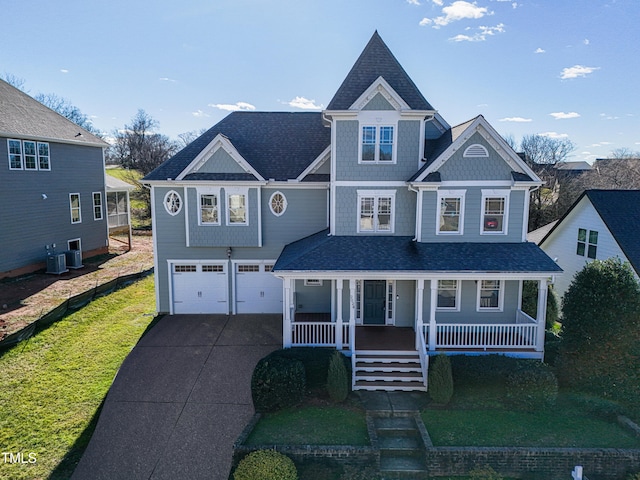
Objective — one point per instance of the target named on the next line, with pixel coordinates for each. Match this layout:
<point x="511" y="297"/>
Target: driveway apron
<point x="180" y="399"/>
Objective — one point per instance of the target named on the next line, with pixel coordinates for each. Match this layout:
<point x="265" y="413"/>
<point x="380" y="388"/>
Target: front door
<point x="374" y="302"/>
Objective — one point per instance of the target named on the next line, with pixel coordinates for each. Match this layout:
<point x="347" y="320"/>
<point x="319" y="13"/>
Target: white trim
<point x="284" y="203"/>
<point x="48" y="169"/>
<point x="477" y="150"/>
<point x="214" y="191"/>
<point x="316" y="164"/>
<point x="377" y="195"/>
<point x="504" y="194"/>
<point x="93" y="199"/>
<point x="236" y="191"/>
<point x="71" y="208"/>
<point x="477" y="183"/>
<point x="501" y="289"/>
<point x="259" y="196"/>
<point x="21" y="153"/>
<point x="156" y="254"/>
<point x="525" y="215"/>
<point x="34" y="156"/>
<point x="413" y="275"/>
<point x="457" y="297"/>
<point x="313" y="282"/>
<point x="381" y="122"/>
<point x="390" y="295"/>
<point x="180" y="202"/>
<point x="380" y="86"/>
<point x="332" y="185"/>
<point x="460" y="194"/>
<point x="187" y="232"/>
<point x="79" y="240"/>
<point x="419" y="201"/>
<point x="172" y="262"/>
<point x="369" y="183"/>
<point x="220" y="141"/>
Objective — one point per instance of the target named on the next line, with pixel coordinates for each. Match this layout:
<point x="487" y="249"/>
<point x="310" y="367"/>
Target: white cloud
<point x="167" y="79"/>
<point x="564" y="115"/>
<point x="243" y="106"/>
<point x="413" y="2"/>
<point x="458" y="10"/>
<point x="64" y="70"/>
<point x="586" y="41"/>
<point x="539" y="50"/>
<point x="516" y="119"/>
<point x="480" y="36"/>
<point x="577" y="71"/>
<point x="438" y="2"/>
<point x="304" y="104"/>
<point x="553" y="135"/>
<point x="199" y="113"/>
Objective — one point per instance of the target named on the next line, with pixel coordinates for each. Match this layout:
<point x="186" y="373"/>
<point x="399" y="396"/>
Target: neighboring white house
<point x="601" y="224"/>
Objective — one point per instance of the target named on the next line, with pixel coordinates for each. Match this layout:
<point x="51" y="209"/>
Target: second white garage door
<point x="257" y="289"/>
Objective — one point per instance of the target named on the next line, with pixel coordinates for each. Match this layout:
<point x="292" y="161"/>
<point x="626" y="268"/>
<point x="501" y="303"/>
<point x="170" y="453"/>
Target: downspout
<point x="418" y="211"/>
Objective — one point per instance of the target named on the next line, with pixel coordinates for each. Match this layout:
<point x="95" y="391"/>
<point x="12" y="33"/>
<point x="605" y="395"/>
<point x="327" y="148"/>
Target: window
<point x="490" y="295"/>
<point x="209" y="210"/>
<point x="172" y="202"/>
<point x="30" y="162"/>
<point x="213" y="268"/>
<point x="390" y="299"/>
<point x="15" y="154"/>
<point x="312" y="282"/>
<point x="97" y="205"/>
<point x="237" y="209"/>
<point x="43" y="156"/>
<point x="278" y="203"/>
<point x="495" y="204"/>
<point x="268" y="268"/>
<point x="587" y="244"/>
<point x="377" y="144"/>
<point x="450" y="212"/>
<point x="248" y="268"/>
<point x="448" y="295"/>
<point x="375" y="212"/>
<point x="74" y="205"/>
<point x="184" y="268"/>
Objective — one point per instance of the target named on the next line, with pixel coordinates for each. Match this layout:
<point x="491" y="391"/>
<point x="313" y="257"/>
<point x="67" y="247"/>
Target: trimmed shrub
<point x="362" y="473"/>
<point x="266" y="465"/>
<point x="530" y="302"/>
<point x="315" y="361"/>
<point x="338" y="379"/>
<point x="484" y="473"/>
<point x="277" y="383"/>
<point x="440" y="380"/>
<point x="531" y="388"/>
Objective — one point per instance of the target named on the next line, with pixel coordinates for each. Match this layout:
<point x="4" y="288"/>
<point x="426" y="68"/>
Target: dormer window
<point x="377" y="144"/>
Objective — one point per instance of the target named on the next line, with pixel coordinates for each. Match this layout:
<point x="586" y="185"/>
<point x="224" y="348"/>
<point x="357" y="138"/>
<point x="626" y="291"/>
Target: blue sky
<point x="566" y="68"/>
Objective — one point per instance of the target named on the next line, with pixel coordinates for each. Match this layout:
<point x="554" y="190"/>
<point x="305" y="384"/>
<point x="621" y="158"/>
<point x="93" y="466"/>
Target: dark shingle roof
<point x="22" y="116"/>
<point x="620" y="211"/>
<point x="321" y="252"/>
<point x="221" y="176"/>
<point x="279" y="145"/>
<point x="376" y="60"/>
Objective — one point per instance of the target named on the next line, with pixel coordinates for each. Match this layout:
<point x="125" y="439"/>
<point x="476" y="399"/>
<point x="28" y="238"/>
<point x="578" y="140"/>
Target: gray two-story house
<point x="52" y="188"/>
<point x="373" y="226"/>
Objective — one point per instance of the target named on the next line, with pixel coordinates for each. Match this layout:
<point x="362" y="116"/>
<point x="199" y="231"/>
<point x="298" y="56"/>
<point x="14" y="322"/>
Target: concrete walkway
<point x="180" y="400"/>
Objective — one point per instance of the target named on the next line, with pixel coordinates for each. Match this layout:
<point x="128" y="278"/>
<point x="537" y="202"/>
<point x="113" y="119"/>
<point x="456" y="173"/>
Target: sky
<point x="560" y="68"/>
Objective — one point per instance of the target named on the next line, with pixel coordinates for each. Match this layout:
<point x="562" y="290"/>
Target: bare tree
<point x="14" y="81"/>
<point x="65" y="108"/>
<point x="186" y="138"/>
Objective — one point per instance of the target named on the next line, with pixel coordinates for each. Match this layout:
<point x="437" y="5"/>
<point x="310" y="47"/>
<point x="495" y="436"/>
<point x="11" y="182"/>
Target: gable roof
<point x="376" y="60"/>
<point x="620" y="212"/>
<point x="22" y="116"/>
<point x="278" y="145"/>
<point x="323" y="252"/>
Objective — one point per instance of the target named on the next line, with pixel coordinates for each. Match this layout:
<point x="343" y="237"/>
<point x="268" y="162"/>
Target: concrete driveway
<point x="180" y="399"/>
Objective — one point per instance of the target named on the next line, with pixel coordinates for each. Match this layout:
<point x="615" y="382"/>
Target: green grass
<point x="129" y="176"/>
<point x="311" y="425"/>
<point x="52" y="386"/>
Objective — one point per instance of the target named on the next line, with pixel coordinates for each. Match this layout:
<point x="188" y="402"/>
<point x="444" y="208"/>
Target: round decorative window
<point x="172" y="202"/>
<point x="278" y="204"/>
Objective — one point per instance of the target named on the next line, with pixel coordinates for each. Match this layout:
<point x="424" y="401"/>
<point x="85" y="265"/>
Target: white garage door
<point x="257" y="289"/>
<point x="200" y="288"/>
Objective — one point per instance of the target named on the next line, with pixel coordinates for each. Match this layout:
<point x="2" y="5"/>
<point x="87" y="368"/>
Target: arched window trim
<point x="476" y="150"/>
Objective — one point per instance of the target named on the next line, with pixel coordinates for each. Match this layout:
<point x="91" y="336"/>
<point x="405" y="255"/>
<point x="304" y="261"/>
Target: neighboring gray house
<point x="373" y="227"/>
<point x="52" y="187"/>
<point x="118" y="207"/>
<point x="601" y="224"/>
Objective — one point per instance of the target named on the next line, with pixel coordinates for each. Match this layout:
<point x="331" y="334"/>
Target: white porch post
<point x="339" y="285"/>
<point x="419" y="310"/>
<point x="541" y="317"/>
<point x="352" y="314"/>
<point x="432" y="315"/>
<point x="286" y="305"/>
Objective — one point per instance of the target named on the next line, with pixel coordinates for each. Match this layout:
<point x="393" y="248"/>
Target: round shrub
<point x="532" y="387"/>
<point x="440" y="380"/>
<point x="315" y="361"/>
<point x="277" y="383"/>
<point x="338" y="379"/>
<point x="266" y="465"/>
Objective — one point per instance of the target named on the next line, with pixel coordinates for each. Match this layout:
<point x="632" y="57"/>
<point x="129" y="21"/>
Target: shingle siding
<point x="220" y="162"/>
<point x="458" y="168"/>
<point x="29" y="222"/>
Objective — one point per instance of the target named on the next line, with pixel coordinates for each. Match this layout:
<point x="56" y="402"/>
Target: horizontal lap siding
<point x="29" y="222"/>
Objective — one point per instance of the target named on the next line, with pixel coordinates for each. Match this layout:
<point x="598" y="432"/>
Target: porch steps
<point x="402" y="447"/>
<point x="390" y="371"/>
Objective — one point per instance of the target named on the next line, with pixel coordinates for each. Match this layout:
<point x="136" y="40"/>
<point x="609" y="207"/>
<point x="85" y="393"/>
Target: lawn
<point x="311" y="425"/>
<point x="51" y="387"/>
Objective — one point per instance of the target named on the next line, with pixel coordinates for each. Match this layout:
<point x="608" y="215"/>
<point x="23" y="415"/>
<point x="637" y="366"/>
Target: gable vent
<point x="476" y="150"/>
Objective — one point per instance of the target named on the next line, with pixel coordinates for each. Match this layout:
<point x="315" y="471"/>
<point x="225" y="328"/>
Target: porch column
<point x="541" y="316"/>
<point x="339" y="285"/>
<point x="286" y="306"/>
<point x="419" y="310"/>
<point x="352" y="314"/>
<point x="432" y="315"/>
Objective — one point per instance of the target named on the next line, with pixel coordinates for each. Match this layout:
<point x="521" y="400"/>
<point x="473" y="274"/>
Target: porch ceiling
<point x="323" y="252"/>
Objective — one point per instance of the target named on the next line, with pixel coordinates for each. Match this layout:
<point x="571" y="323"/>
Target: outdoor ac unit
<point x="74" y="258"/>
<point x="56" y="263"/>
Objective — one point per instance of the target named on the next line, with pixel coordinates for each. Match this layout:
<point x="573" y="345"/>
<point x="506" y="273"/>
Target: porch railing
<point x="424" y="360"/>
<point x="318" y="334"/>
<point x="486" y="336"/>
